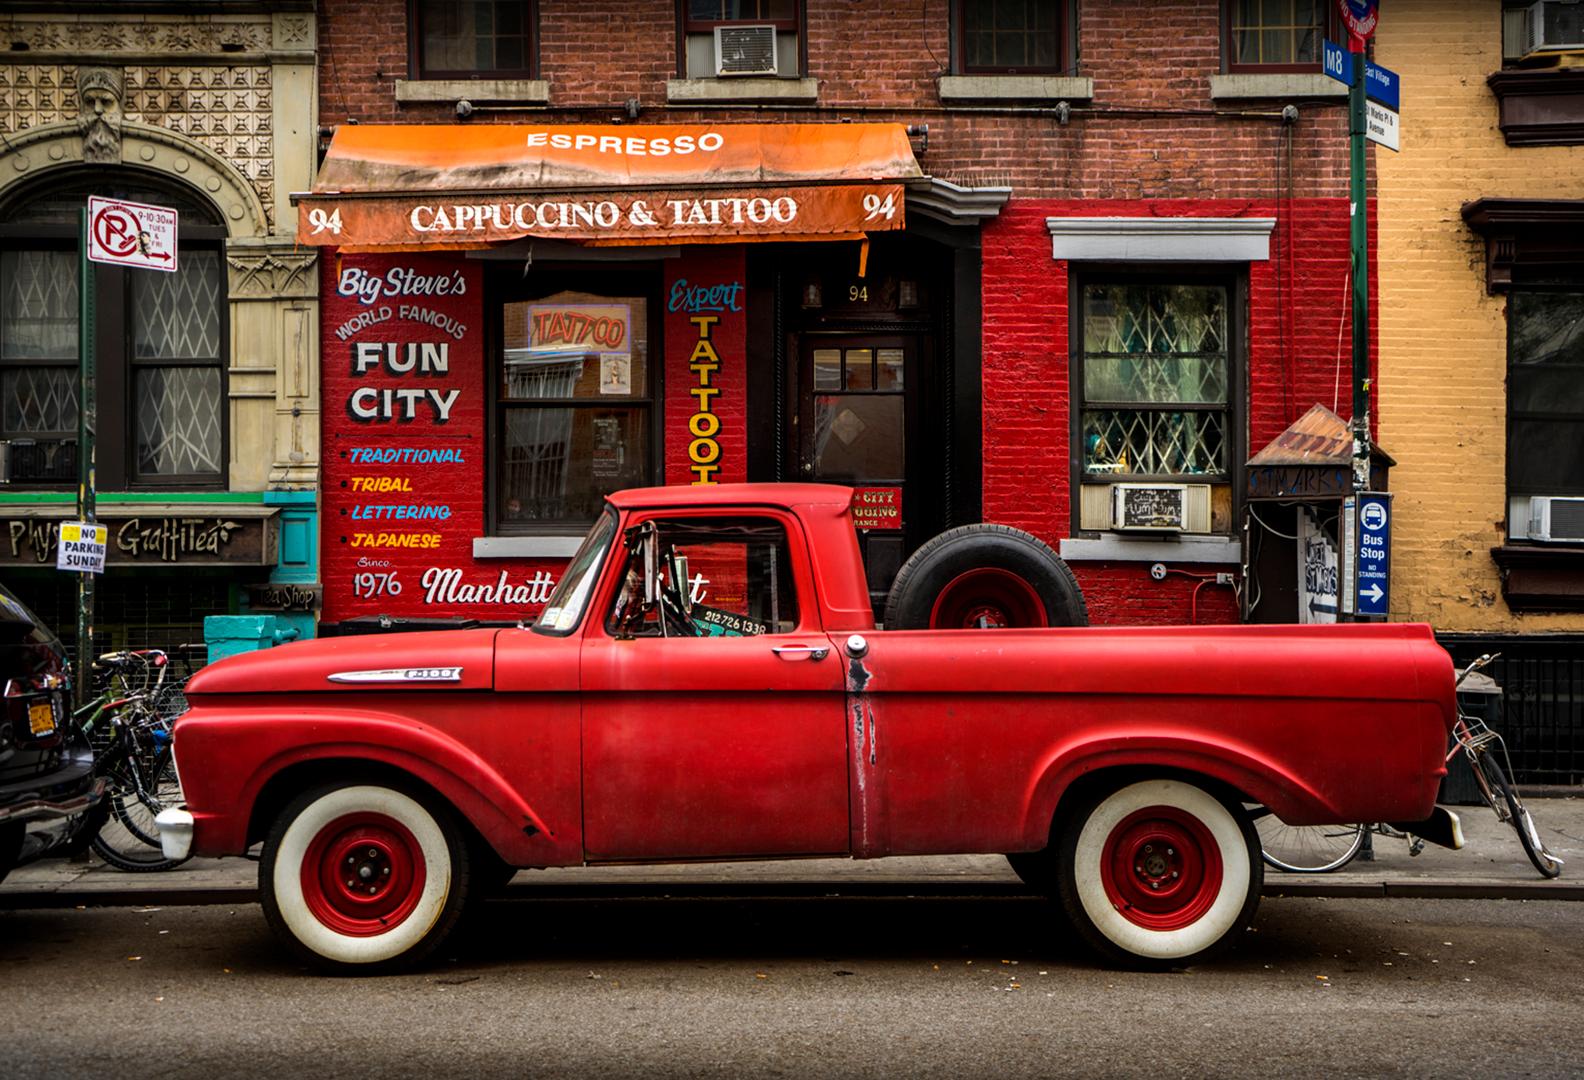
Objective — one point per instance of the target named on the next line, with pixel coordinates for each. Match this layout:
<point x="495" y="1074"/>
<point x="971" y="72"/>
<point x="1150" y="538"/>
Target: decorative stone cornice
<point x="81" y="36"/>
<point x="272" y="272"/>
<point x="953" y="204"/>
<point x="1161" y="239"/>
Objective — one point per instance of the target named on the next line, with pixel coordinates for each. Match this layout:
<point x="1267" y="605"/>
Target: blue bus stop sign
<point x="1374" y="553"/>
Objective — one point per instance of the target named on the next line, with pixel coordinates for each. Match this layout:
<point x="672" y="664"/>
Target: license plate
<point x="41" y="718"/>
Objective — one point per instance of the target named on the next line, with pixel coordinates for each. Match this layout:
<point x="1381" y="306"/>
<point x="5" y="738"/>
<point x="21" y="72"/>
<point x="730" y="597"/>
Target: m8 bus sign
<point x="1360" y="17"/>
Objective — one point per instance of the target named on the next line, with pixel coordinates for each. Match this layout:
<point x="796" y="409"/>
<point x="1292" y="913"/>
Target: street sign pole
<point x="87" y="424"/>
<point x="1360" y="257"/>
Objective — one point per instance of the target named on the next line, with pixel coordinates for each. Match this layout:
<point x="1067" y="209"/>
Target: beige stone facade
<point x="1443" y="335"/>
<point x="222" y="105"/>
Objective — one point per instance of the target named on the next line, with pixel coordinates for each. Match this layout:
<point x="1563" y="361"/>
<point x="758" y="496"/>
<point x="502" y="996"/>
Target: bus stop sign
<point x="1374" y="553"/>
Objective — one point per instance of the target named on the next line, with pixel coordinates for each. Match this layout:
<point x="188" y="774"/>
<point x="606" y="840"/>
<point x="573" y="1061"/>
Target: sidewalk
<point x="1491" y="865"/>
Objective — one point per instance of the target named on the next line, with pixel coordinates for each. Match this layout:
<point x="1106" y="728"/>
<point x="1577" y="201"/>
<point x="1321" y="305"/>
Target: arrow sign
<point x="1374" y="553"/>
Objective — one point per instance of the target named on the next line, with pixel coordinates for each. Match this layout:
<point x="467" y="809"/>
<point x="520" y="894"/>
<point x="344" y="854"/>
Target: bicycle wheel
<point x="1523" y="824"/>
<point x="129" y="839"/>
<point x="135" y="810"/>
<point x="1306" y="849"/>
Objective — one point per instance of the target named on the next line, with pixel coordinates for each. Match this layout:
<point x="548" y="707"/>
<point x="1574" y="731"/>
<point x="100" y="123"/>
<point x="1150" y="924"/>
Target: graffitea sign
<point x="405" y="451"/>
<point x="706" y="376"/>
<point x="150" y="540"/>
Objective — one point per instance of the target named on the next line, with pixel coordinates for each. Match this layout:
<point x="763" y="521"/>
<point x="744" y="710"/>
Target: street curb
<point x="815" y="890"/>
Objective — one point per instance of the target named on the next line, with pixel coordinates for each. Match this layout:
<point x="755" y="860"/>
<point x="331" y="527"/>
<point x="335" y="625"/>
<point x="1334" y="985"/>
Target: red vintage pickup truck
<point x="707" y="682"/>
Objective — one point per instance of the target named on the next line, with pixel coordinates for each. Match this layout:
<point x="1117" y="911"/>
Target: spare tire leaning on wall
<point x="984" y="577"/>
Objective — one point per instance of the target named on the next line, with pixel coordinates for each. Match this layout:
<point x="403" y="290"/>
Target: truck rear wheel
<point x="1159" y="873"/>
<point x="363" y="877"/>
<point x="986" y="577"/>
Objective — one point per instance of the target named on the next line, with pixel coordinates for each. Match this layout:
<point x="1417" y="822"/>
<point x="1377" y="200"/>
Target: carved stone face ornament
<point x="99" y="113"/>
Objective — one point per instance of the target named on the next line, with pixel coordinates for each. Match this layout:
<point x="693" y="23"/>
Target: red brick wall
<point x="1298" y="303"/>
<point x="1151" y="130"/>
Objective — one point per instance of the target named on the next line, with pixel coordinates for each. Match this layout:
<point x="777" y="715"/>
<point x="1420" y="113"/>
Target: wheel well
<point x="293" y="780"/>
<point x="1102" y="781"/>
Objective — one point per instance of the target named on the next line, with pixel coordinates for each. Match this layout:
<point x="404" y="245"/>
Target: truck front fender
<point x="215" y="746"/>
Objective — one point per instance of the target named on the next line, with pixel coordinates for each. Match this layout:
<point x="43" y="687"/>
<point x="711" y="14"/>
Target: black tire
<point x="1159" y="873"/>
<point x="11" y="837"/>
<point x="417" y="869"/>
<point x="1522" y="823"/>
<point x="984" y="576"/>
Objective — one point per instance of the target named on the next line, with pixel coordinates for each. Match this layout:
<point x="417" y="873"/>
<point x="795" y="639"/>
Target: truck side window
<point x="739" y="581"/>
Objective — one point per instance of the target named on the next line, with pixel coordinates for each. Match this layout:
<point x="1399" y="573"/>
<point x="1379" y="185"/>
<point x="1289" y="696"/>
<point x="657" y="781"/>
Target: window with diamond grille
<point x="161" y="339"/>
<point x="1154" y="381"/>
<point x="1276" y="35"/>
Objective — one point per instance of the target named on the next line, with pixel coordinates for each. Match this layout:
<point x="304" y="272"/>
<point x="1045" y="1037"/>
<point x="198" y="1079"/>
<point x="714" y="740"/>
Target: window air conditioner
<point x="38" y="461"/>
<point x="1553" y="24"/>
<point x="1556" y="519"/>
<point x="745" y="50"/>
<point x="1183" y="508"/>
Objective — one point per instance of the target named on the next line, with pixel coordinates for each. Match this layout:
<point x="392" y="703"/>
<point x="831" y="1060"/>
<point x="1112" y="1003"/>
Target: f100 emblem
<point x="400" y="675"/>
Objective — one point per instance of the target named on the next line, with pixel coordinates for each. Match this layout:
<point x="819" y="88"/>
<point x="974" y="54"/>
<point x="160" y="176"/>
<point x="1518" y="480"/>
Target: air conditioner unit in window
<point x="745" y="50"/>
<point x="1556" y="519"/>
<point x="1553" y="24"/>
<point x="38" y="461"/>
<point x="1183" y="508"/>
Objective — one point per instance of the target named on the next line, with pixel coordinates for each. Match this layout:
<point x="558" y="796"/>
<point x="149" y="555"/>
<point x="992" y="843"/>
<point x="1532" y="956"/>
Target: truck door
<point x="713" y="721"/>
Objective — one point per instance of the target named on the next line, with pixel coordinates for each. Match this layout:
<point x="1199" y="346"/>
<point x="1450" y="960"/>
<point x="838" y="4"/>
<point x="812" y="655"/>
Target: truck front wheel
<point x="1159" y="873"/>
<point x="362" y="877"/>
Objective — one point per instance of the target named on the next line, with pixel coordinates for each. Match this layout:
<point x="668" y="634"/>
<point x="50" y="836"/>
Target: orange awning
<point x="425" y="186"/>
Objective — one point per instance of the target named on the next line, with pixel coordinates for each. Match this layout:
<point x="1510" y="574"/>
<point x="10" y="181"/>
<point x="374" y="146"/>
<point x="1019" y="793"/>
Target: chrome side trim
<point x="399" y="675"/>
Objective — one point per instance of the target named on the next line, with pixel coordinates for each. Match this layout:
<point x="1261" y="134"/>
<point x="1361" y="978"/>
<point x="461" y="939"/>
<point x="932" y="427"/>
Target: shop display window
<point x="459" y="39"/>
<point x="1155" y="379"/>
<point x="1275" y="35"/>
<point x="575" y="401"/>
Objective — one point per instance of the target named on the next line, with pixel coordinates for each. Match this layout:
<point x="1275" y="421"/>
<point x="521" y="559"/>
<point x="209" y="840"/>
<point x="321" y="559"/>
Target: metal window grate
<point x="1542" y="681"/>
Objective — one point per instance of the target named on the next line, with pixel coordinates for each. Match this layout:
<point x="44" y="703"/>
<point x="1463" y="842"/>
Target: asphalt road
<point x="802" y="988"/>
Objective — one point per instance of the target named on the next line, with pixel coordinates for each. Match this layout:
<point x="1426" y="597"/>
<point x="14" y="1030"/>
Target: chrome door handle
<point x="799" y="652"/>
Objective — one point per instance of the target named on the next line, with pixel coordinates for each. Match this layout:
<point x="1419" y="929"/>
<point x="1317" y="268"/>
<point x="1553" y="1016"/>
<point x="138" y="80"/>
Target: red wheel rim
<point x="363" y="874"/>
<point x="1161" y="868"/>
<point x="987" y="599"/>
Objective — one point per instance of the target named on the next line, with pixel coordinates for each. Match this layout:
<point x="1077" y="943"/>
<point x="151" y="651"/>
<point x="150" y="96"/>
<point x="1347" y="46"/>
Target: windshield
<point x="562" y="614"/>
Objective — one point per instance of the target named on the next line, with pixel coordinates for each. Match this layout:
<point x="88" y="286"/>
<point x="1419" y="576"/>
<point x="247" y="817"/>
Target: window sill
<point x="972" y="89"/>
<point x="746" y="90"/>
<point x="527" y="547"/>
<point x="1541" y="577"/>
<point x="1176" y="549"/>
<point x="1540" y="108"/>
<point x="1290" y="85"/>
<point x="450" y="91"/>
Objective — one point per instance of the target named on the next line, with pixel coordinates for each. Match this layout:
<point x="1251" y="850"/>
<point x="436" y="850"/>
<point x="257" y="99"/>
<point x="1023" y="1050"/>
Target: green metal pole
<point x="87" y="424"/>
<point x="1360" y="246"/>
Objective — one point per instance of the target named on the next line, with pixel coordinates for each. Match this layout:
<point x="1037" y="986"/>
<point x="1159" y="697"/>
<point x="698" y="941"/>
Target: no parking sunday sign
<point x="131" y="234"/>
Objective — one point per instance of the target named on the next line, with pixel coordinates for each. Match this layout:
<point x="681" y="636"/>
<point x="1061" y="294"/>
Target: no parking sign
<point x="131" y="234"/>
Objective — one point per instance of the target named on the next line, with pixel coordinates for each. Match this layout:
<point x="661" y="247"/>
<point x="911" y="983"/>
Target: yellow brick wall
<point x="1443" y="340"/>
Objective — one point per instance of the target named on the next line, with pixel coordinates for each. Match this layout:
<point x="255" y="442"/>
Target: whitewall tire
<point x="363" y="877"/>
<point x="1159" y="873"/>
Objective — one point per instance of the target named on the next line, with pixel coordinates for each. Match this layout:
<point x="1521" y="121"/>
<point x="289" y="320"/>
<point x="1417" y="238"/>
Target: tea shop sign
<point x="151" y="540"/>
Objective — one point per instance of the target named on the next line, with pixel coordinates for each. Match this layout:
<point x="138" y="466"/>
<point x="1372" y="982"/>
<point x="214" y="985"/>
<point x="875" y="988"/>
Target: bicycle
<point x="1319" y="849"/>
<point x="129" y="726"/>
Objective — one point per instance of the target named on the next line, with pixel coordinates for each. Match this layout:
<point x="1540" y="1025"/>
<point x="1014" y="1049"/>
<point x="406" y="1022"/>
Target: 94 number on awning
<point x="875" y="206"/>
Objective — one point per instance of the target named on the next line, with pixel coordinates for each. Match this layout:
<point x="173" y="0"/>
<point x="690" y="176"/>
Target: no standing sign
<point x="131" y="234"/>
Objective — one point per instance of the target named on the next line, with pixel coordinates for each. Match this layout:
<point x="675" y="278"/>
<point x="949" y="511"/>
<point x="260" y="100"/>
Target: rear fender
<point x="1247" y="772"/>
<point x="274" y="743"/>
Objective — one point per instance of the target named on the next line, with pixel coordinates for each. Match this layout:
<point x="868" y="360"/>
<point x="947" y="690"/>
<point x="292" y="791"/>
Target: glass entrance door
<point x="854" y="415"/>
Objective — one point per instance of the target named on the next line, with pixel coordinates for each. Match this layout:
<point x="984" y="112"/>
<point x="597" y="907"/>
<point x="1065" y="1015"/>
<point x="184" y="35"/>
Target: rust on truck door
<point x="870" y="818"/>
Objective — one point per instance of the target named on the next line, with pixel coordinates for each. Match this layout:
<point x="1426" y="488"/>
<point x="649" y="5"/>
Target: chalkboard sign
<point x="1152" y="506"/>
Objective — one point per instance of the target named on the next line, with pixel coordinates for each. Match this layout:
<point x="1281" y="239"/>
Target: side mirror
<point x="679" y="578"/>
